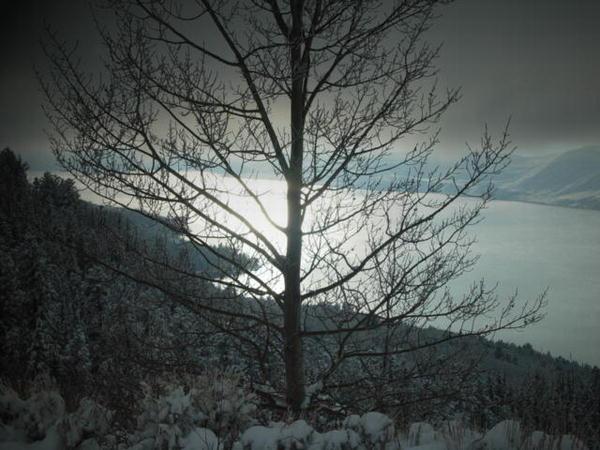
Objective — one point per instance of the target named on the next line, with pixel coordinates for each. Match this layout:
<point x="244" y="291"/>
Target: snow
<point x="457" y="435"/>
<point x="146" y="444"/>
<point x="298" y="431"/>
<point x="32" y="416"/>
<point x="172" y="422"/>
<point x="89" y="444"/>
<point x="377" y="428"/>
<point x="310" y="392"/>
<point x="352" y="422"/>
<point x="421" y="433"/>
<point x="506" y="435"/>
<point x="201" y="439"/>
<point x="259" y="437"/>
<point x="569" y="442"/>
<point x="90" y="418"/>
<point x="295" y="435"/>
<point x="52" y="441"/>
<point x="177" y="401"/>
<point x="436" y="445"/>
<point x="336" y="440"/>
<point x="10" y="433"/>
<point x="539" y="440"/>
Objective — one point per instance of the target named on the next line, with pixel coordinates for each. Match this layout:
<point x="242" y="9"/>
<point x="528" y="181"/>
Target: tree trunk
<point x="293" y="354"/>
<point x="294" y="359"/>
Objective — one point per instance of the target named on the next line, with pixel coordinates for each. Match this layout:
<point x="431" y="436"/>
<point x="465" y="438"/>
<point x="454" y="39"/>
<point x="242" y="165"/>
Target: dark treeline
<point x="561" y="399"/>
<point x="67" y="311"/>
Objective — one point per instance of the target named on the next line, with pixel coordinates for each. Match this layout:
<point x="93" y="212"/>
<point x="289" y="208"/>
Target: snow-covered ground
<point x="176" y="421"/>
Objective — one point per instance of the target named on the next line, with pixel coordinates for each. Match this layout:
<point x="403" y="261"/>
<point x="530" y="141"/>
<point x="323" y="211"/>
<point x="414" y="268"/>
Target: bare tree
<point x="198" y="97"/>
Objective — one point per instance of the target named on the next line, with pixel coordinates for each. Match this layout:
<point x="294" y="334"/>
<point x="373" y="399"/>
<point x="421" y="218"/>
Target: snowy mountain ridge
<point x="570" y="179"/>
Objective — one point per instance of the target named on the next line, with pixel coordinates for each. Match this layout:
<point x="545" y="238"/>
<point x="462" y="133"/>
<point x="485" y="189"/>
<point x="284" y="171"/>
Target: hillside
<point x="570" y="179"/>
<point x="93" y="306"/>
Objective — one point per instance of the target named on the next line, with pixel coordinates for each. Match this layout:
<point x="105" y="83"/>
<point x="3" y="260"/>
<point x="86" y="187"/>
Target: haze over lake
<point x="523" y="246"/>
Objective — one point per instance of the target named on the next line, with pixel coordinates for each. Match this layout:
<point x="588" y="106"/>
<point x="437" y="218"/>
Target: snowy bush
<point x="278" y="436"/>
<point x="201" y="439"/>
<point x="377" y="428"/>
<point x="29" y="418"/>
<point x="337" y="440"/>
<point x="352" y="423"/>
<point x="89" y="422"/>
<point x="215" y="412"/>
<point x="165" y="419"/>
<point x="222" y="398"/>
<point x="373" y="430"/>
<point x="215" y="403"/>
<point x="40" y="422"/>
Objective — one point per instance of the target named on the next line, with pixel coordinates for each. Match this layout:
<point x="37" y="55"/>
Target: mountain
<point x="570" y="179"/>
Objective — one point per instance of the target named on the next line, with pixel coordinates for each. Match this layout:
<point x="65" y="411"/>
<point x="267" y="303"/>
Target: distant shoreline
<point x="542" y="203"/>
<point x="32" y="174"/>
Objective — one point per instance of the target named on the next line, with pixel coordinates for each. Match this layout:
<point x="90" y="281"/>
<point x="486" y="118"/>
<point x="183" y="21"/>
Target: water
<point x="531" y="247"/>
<point x="523" y="246"/>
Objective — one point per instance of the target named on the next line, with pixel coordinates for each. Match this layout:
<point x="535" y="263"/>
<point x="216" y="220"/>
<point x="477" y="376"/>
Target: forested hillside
<point x="570" y="179"/>
<point x="67" y="308"/>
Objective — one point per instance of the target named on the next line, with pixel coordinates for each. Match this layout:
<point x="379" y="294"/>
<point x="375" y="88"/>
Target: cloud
<point x="514" y="58"/>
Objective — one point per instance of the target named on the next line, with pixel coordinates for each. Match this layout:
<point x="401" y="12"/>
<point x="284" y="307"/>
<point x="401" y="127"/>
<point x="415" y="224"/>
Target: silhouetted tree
<point x="323" y="94"/>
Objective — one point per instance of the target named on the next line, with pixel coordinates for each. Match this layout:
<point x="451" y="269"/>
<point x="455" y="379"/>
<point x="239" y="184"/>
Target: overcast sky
<point x="535" y="60"/>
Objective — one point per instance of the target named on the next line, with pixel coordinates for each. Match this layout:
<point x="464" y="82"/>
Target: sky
<point x="536" y="61"/>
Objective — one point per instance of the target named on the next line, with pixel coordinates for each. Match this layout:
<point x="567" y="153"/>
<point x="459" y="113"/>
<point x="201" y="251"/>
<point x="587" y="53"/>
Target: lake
<point x="523" y="246"/>
<point x="531" y="247"/>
